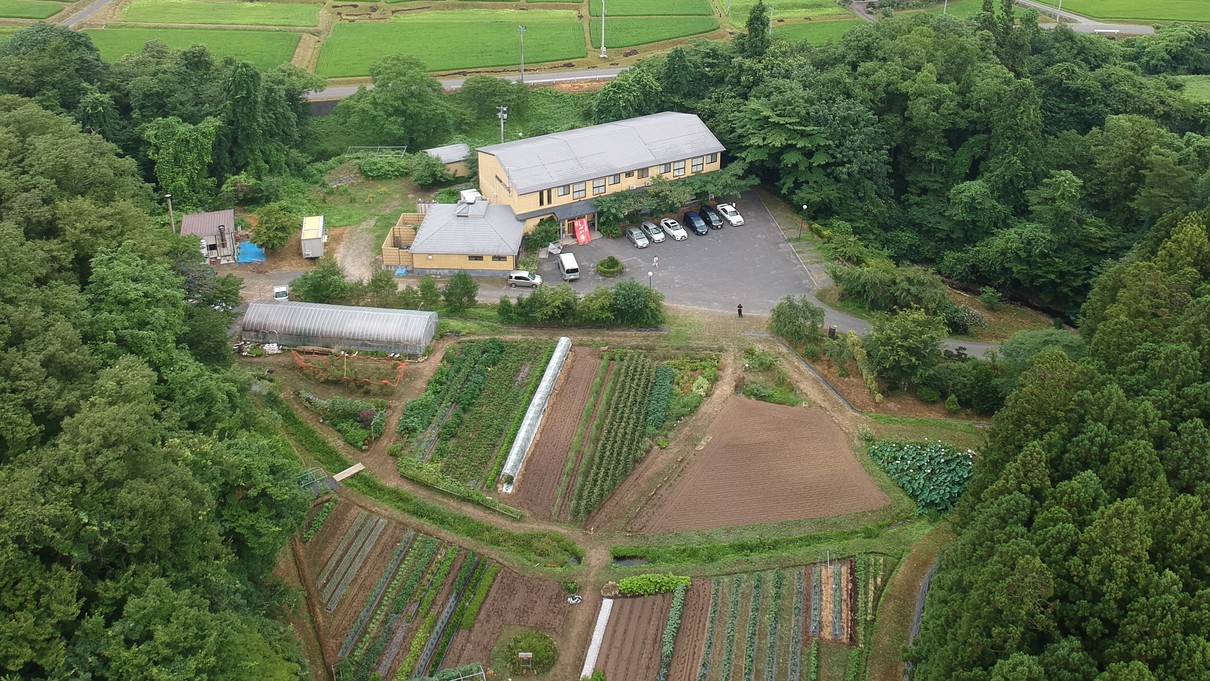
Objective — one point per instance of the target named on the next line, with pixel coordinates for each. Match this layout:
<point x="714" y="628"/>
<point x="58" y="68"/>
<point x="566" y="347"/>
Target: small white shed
<point x="313" y="236"/>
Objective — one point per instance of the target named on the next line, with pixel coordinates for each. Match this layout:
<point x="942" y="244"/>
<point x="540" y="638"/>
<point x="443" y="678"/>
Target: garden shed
<point x="341" y="327"/>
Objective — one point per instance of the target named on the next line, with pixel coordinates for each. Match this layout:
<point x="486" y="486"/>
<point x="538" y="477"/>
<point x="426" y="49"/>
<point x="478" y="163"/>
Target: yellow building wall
<point x="457" y="169"/>
<point x="493" y="184"/>
<point x="442" y="261"/>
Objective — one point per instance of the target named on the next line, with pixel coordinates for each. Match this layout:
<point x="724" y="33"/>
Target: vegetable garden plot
<point x="931" y="473"/>
<point x="359" y="422"/>
<point x="397" y="598"/>
<point x="758" y="626"/>
<point x="338" y="367"/>
<point x="470" y="412"/>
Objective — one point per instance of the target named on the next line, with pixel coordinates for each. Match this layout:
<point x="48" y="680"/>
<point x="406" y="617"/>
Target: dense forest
<point x="142" y="503"/>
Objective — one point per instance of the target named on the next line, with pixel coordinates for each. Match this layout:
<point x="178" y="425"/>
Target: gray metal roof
<point x="207" y="224"/>
<point x="565" y="211"/>
<point x="373" y="324"/>
<point x="450" y="153"/>
<point x="602" y="150"/>
<point x="476" y="228"/>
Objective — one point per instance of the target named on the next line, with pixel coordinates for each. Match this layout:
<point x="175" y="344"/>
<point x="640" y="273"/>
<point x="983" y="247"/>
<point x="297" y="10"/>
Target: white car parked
<point x="729" y="214"/>
<point x="673" y="229"/>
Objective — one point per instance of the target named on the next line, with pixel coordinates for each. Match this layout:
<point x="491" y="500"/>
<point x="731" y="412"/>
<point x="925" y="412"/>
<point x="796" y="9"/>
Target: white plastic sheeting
<point x="598" y="637"/>
<point x="533" y="416"/>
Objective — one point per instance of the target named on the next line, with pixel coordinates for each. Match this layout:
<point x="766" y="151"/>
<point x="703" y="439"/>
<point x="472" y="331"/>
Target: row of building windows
<point x="579" y="189"/>
<point x="495" y="258"/>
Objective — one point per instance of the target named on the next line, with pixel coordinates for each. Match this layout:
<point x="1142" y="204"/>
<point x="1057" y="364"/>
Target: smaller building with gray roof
<point x="469" y="235"/>
<point x="454" y="157"/>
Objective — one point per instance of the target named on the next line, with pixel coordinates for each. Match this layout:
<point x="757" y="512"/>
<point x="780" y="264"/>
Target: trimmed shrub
<point x="609" y="267"/>
<point x="649" y="585"/>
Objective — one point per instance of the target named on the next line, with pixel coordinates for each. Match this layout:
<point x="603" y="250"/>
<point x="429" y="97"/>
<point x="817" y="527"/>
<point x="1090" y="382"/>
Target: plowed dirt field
<point x="765" y="463"/>
<point x="691" y="639"/>
<point x="631" y="649"/>
<point x="513" y="601"/>
<point x="538" y="480"/>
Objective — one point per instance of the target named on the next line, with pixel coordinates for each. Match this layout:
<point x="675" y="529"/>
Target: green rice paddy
<point x="1139" y="10"/>
<point x="635" y="31"/>
<point x="786" y="9"/>
<point x="638" y="8"/>
<point x="264" y="49"/>
<point x="29" y="9"/>
<point x="815" y="31"/>
<point x="459" y="39"/>
<point x="223" y="12"/>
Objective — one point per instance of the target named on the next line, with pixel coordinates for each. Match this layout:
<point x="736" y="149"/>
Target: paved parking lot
<point x="752" y="264"/>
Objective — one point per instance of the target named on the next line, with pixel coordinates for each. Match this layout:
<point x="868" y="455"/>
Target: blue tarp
<point x="401" y="271"/>
<point x="249" y="252"/>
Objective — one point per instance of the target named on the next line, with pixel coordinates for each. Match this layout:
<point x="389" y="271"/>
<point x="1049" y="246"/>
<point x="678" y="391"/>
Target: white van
<point x="569" y="267"/>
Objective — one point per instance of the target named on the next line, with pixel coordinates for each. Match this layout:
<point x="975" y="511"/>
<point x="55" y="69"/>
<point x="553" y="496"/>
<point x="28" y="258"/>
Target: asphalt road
<point x="85" y="13"/>
<point x="1082" y="24"/>
<point x="532" y="78"/>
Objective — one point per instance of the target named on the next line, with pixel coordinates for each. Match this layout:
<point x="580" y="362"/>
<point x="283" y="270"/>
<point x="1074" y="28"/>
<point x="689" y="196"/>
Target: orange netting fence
<point x="333" y="365"/>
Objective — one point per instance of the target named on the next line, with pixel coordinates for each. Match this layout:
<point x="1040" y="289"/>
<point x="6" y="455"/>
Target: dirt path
<point x="355" y="253"/>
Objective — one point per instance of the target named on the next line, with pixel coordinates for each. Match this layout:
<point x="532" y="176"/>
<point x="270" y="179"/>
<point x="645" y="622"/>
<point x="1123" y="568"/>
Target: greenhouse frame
<point x="340" y="327"/>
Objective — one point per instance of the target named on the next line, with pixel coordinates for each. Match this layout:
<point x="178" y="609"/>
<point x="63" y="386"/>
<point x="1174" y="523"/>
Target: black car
<point x="712" y="217"/>
<point x="695" y="222"/>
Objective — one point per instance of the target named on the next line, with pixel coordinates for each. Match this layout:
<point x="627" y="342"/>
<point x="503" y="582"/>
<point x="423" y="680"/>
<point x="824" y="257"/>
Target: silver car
<point x="673" y="229"/>
<point x="654" y="233"/>
<point x="523" y="278"/>
<point x="637" y="237"/>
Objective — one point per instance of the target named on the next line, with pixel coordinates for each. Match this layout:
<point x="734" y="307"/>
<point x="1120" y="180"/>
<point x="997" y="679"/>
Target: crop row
<point x="753" y="626"/>
<point x="481" y="591"/>
<point x="624" y="431"/>
<point x="813" y="661"/>
<point x="429" y="593"/>
<point x="859" y="655"/>
<point x="384" y="622"/>
<point x="456" y="382"/>
<point x="589" y="445"/>
<point x="796" y="626"/>
<point x="704" y="671"/>
<point x="771" y="625"/>
<point x="729" y="640"/>
<point x="651" y="584"/>
<point x="375" y="597"/>
<point x="661" y="397"/>
<point x="351" y="564"/>
<point x="318" y="521"/>
<point x="671" y="627"/>
<point x="426" y="641"/>
<point x="838" y="599"/>
<point x="816" y="599"/>
<point x="577" y="439"/>
<point x="458" y="617"/>
<point x="471" y="454"/>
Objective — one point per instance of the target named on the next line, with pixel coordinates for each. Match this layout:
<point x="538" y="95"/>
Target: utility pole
<point x="603" y="54"/>
<point x="945" y="8"/>
<point x="171" y="217"/>
<point x="772" y="9"/>
<point x="502" y="114"/>
<point x="1059" y="13"/>
<point x="521" y="30"/>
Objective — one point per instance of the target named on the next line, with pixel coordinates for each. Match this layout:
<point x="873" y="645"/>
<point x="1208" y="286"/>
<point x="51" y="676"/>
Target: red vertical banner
<point x="581" y="227"/>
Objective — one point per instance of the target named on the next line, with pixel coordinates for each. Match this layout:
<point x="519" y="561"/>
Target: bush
<point x="571" y="586"/>
<point x="931" y="473"/>
<point x="759" y="360"/>
<point x="609" y="267"/>
<point x="324" y="284"/>
<point x="543" y="235"/>
<point x="928" y="394"/>
<point x="611" y="231"/>
<point x="428" y="171"/>
<point x="382" y="167"/>
<point x="796" y="319"/>
<point x="274" y="227"/>
<point x="883" y="287"/>
<point x="952" y="405"/>
<point x="961" y="319"/>
<point x="990" y="297"/>
<point x="542" y="646"/>
<point x="649" y="585"/>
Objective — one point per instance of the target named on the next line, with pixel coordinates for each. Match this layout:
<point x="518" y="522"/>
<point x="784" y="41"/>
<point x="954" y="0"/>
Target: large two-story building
<point x="556" y="176"/>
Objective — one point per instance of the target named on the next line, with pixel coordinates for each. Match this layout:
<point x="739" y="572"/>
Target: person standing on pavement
<point x="656" y="262"/>
<point x="740" y="309"/>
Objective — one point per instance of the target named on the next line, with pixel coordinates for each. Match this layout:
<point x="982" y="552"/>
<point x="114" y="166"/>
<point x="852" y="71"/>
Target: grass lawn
<point x="953" y="432"/>
<point x="29" y="9"/>
<point x="264" y="49"/>
<point x="221" y="12"/>
<point x="1197" y="88"/>
<point x="636" y="8"/>
<point x="441" y="40"/>
<point x="546" y="110"/>
<point x="786" y="9"/>
<point x="1160" y="10"/>
<point x="630" y="32"/>
<point x="814" y="31"/>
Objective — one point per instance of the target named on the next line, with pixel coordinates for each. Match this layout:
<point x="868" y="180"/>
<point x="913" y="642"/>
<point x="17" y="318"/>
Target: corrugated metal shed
<point x="477" y="228"/>
<point x="342" y="327"/>
<point x="313" y="227"/>
<point x="602" y="150"/>
<point x="450" y="153"/>
<point x="207" y="224"/>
